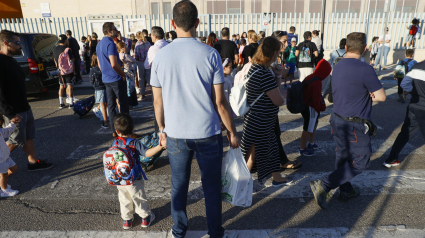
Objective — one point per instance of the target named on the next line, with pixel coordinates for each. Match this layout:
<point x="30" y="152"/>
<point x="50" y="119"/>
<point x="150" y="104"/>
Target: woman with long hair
<point x="93" y="43"/>
<point x="259" y="143"/>
<point x="211" y="39"/>
<point x="249" y="50"/>
<point x="140" y="52"/>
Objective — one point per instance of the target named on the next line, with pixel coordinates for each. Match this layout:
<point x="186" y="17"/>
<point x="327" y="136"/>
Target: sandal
<point x="292" y="165"/>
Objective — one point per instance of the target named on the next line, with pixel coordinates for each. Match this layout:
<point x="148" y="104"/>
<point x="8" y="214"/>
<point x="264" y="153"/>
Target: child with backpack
<point x="402" y="68"/>
<point x="373" y="50"/>
<point x="128" y="63"/>
<point x="7" y="166"/>
<point x="291" y="60"/>
<point x="314" y="104"/>
<point x="228" y="79"/>
<point x="132" y="197"/>
<point x="99" y="89"/>
<point x="64" y="61"/>
<point x="413" y="29"/>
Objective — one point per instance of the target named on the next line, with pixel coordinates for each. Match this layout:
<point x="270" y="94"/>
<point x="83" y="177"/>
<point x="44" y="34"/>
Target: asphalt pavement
<point x="73" y="199"/>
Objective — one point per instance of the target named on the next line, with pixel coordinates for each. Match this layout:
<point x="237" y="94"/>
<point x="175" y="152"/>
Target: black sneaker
<point x="61" y="106"/>
<point x="105" y="126"/>
<point x="39" y="165"/>
<point x="71" y="106"/>
<point x="319" y="193"/>
<point x="344" y="197"/>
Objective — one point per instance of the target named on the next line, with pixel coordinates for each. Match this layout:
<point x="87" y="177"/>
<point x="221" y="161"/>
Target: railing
<point x="337" y="26"/>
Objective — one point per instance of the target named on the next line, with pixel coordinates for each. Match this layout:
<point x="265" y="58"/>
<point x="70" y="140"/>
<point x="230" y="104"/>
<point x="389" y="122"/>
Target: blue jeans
<point x="117" y="89"/>
<point x="209" y="154"/>
<point x="378" y="57"/>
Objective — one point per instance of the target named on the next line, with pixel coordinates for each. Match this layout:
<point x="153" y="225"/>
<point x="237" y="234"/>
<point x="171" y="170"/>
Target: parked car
<point x="37" y="61"/>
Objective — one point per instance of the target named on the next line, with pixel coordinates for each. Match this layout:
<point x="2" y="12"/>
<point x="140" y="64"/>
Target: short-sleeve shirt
<point x="261" y="80"/>
<point x="186" y="70"/>
<point x="75" y="47"/>
<point x="352" y="81"/>
<point x="291" y="35"/>
<point x="104" y="49"/>
<point x="305" y="58"/>
<point x="226" y="49"/>
<point x="410" y="64"/>
<point x="387" y="37"/>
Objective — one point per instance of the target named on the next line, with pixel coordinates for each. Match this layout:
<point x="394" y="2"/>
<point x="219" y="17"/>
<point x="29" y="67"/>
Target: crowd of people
<point x="191" y="103"/>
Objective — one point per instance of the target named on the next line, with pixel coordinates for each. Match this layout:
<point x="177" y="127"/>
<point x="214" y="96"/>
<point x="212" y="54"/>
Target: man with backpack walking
<point x="64" y="60"/>
<point x="402" y="68"/>
<point x="13" y="100"/>
<point x="112" y="75"/>
<point x="306" y="51"/>
<point x="354" y="88"/>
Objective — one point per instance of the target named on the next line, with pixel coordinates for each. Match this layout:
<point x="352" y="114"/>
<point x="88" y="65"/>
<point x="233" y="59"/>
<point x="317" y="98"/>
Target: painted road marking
<point x="336" y="232"/>
<point x="370" y="182"/>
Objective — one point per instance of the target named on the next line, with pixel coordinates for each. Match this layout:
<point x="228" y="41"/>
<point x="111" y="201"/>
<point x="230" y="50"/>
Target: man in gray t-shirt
<point x="187" y="83"/>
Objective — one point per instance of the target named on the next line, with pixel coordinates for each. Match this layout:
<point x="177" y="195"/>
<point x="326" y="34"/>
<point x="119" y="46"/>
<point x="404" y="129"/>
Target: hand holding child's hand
<point x="163" y="143"/>
<point x="15" y="120"/>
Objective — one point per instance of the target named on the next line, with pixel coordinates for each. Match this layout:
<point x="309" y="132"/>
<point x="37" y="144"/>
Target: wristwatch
<point x="161" y="132"/>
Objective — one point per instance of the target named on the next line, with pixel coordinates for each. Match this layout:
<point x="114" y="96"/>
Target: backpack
<point x="65" y="63"/>
<point x="238" y="96"/>
<point x="150" y="141"/>
<point x="305" y="54"/>
<point x="401" y="69"/>
<point x="119" y="165"/>
<point x="339" y="58"/>
<point x="84" y="106"/>
<point x="413" y="30"/>
<point x="295" y="95"/>
<point x="96" y="78"/>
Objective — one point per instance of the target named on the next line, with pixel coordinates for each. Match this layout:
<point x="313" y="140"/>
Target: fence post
<point x="209" y="23"/>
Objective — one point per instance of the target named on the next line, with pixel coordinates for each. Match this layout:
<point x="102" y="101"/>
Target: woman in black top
<point x="93" y="44"/>
<point x="249" y="50"/>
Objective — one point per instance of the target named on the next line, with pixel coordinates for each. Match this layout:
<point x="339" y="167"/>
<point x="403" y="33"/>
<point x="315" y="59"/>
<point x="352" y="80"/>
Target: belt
<point x="371" y="127"/>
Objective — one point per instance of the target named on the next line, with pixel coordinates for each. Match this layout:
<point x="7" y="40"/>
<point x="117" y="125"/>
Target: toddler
<point x="7" y="166"/>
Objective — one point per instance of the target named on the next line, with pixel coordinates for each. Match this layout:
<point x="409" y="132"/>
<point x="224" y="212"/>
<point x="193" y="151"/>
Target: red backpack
<point x="413" y="30"/>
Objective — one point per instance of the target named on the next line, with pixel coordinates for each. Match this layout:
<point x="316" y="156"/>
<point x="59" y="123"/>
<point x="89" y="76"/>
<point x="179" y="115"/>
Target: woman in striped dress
<point x="259" y="141"/>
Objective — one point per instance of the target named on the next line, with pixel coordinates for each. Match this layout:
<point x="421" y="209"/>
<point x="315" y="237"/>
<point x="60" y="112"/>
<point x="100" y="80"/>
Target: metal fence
<point x="337" y="26"/>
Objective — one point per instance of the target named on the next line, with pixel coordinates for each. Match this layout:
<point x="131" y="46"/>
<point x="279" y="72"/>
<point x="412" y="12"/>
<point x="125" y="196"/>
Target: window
<point x="235" y="6"/>
<point x="276" y="6"/>
<point x="316" y="6"/>
<point x="155" y="8"/>
<point x="166" y="8"/>
<point x="378" y="6"/>
<point x="299" y="7"/>
<point x="355" y="6"/>
<point x="289" y="6"/>
<point x="256" y="6"/>
<point x="341" y="6"/>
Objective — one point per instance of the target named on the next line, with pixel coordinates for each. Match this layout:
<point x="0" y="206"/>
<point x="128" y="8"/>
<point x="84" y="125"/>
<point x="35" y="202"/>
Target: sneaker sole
<point x="127" y="227"/>
<point x="391" y="165"/>
<point x="313" y="189"/>
<point x="32" y="170"/>
<point x="306" y="155"/>
<point x="153" y="219"/>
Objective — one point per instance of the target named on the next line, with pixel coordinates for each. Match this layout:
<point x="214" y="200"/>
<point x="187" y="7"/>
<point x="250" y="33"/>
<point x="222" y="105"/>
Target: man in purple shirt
<point x="112" y="75"/>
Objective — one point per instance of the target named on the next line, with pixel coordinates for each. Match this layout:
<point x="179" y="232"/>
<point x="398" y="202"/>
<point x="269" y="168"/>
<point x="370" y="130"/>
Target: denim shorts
<point x="25" y="130"/>
<point x="100" y="96"/>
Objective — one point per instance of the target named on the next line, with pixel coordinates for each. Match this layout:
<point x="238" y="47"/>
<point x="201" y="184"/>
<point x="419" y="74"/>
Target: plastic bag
<point x="236" y="180"/>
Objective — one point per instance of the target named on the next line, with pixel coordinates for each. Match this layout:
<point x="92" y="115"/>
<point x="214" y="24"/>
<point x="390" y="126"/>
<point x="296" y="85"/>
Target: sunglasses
<point x="15" y="42"/>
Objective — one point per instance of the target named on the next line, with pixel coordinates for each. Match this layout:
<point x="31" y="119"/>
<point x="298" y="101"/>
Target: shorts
<point x="373" y="56"/>
<point x="409" y="38"/>
<point x="9" y="163"/>
<point x="311" y="118"/>
<point x="292" y="67"/>
<point x="100" y="96"/>
<point x="25" y="130"/>
<point x="69" y="79"/>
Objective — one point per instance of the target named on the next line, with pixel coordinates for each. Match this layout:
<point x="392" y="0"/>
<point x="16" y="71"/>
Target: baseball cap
<point x="293" y="39"/>
<point x="62" y="38"/>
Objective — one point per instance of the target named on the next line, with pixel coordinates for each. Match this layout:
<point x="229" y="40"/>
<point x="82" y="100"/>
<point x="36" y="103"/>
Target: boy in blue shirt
<point x="133" y="198"/>
<point x="409" y="62"/>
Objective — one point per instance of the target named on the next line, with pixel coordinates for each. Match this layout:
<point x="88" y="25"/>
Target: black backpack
<point x="295" y="95"/>
<point x="96" y="78"/>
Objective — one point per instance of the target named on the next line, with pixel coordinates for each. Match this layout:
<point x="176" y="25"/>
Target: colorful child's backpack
<point x="119" y="165"/>
<point x="84" y="106"/>
<point x="150" y="141"/>
<point x="402" y="69"/>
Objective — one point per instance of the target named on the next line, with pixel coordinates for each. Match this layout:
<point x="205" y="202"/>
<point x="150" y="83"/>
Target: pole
<point x="386" y="10"/>
<point x="323" y="23"/>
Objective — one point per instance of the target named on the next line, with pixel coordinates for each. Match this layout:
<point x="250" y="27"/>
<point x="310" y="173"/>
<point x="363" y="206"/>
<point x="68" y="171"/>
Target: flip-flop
<point x="296" y="165"/>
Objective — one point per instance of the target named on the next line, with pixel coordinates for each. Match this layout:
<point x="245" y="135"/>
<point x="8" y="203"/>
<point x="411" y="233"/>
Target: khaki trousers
<point x="133" y="200"/>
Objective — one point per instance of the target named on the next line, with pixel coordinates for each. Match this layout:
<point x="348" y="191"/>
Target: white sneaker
<point x="8" y="192"/>
<point x="138" y="90"/>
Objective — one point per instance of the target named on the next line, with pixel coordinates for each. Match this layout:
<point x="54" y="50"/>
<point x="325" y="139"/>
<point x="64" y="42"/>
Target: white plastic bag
<point x="236" y="180"/>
